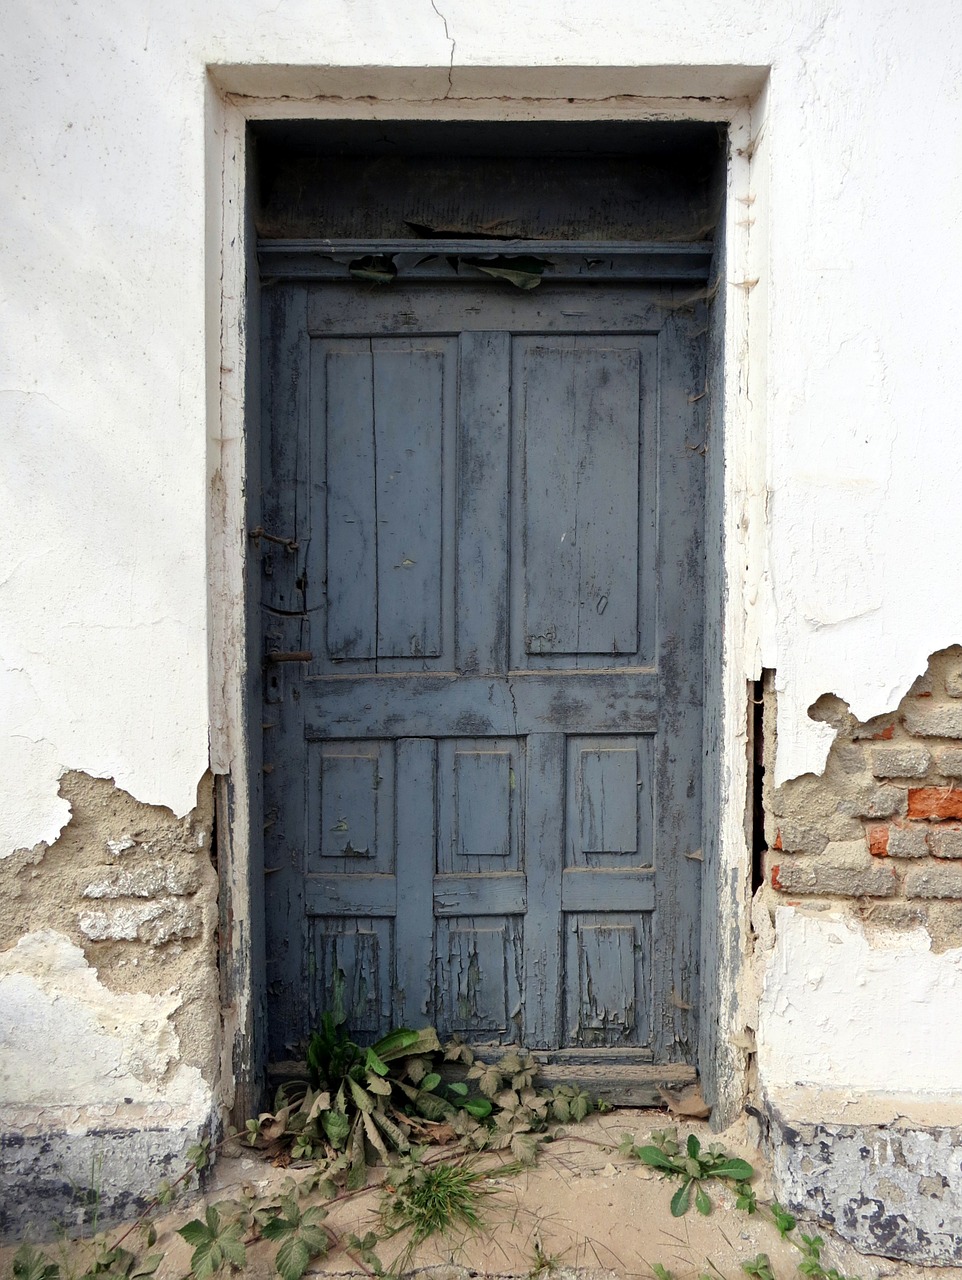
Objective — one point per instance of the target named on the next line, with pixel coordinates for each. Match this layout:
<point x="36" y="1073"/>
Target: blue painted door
<point x="482" y="771"/>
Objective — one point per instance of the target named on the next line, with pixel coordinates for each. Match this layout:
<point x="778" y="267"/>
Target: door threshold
<point x="614" y="1078"/>
<point x="619" y="1084"/>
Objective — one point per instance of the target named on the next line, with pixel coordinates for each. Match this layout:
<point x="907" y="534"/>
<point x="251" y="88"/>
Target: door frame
<point x="736" y="582"/>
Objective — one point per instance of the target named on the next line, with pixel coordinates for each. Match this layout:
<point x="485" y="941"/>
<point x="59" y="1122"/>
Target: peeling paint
<point x="133" y="887"/>
<point x="893" y="1192"/>
<point x="109" y="1016"/>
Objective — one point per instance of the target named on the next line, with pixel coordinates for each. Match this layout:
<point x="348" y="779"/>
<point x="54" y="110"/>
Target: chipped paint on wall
<point x="109" y="1004"/>
<point x="134" y="889"/>
<point x="69" y="1041"/>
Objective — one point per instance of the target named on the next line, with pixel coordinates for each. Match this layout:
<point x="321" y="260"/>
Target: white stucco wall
<point x="864" y="1019"/>
<point x="103" y="577"/>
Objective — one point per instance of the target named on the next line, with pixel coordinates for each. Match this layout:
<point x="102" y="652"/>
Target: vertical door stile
<point x="286" y="516"/>
<point x="681" y="376"/>
<point x="482" y="502"/>
<point x="416" y="842"/>
<point x="544" y="860"/>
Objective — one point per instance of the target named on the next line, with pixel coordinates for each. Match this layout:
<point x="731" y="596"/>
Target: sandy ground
<point x="583" y="1209"/>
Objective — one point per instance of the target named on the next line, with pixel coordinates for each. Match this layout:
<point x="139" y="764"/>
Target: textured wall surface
<point x="883" y="824"/>
<point x="109" y="1026"/>
<point x="103" y="333"/>
<point x="109" y="334"/>
<point x="890" y="1189"/>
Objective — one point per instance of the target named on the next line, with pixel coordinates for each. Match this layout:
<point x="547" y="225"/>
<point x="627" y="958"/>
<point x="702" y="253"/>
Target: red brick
<point x="776" y="883"/>
<point x="884" y="735"/>
<point x="935" y="802"/>
<point x="778" y="841"/>
<point x="878" y="840"/>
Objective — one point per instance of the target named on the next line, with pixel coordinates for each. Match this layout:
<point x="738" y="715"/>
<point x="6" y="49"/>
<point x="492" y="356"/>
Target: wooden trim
<point x="452" y="260"/>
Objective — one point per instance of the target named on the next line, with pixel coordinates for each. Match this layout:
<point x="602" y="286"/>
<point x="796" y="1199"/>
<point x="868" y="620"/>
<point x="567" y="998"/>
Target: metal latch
<point x="260" y="532"/>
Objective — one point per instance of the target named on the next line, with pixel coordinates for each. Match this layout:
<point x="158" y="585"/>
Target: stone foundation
<point x="888" y="1188"/>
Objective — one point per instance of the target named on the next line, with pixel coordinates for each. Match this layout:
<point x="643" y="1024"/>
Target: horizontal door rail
<point x="478" y="706"/>
<point x="379" y="261"/>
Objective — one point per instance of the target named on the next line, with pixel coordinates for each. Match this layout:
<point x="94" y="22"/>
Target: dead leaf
<point x="687" y="1101"/>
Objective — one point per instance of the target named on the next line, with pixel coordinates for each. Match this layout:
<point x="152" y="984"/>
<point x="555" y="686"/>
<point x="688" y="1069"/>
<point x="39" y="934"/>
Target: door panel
<point x="384" y="454"/>
<point x="483" y="787"/>
<point x="576" y="479"/>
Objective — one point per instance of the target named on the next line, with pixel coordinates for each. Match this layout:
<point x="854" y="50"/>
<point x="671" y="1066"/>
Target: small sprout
<point x="783" y="1220"/>
<point x="760" y="1267"/>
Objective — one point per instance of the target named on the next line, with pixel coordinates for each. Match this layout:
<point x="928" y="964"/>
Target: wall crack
<point x="454" y="44"/>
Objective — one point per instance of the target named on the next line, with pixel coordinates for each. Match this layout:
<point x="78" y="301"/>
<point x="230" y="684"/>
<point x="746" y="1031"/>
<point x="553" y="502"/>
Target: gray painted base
<point x="58" y="1181"/>
<point x="887" y="1189"/>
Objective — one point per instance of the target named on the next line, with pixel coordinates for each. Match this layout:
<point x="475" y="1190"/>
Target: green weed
<point x="694" y="1166"/>
<point x="436" y="1199"/>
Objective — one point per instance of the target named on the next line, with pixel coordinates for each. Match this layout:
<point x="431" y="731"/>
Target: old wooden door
<point x="482" y="594"/>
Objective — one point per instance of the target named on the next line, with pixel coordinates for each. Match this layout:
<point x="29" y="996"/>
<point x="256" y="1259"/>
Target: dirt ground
<point x="583" y="1210"/>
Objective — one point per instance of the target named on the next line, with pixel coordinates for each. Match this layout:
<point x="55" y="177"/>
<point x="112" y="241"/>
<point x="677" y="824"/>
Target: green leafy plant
<point x="362" y="1105"/>
<point x="358" y="1101"/>
<point x="694" y="1166"/>
<point x="216" y="1244"/>
<point x="810" y="1247"/>
<point x="331" y="1054"/>
<point x="760" y="1267"/>
<point x="301" y="1234"/>
<point x="29" y="1263"/>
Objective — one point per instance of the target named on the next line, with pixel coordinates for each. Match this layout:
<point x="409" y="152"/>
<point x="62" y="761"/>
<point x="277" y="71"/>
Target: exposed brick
<point x="935" y="802"/>
<point x="849" y="756"/>
<point x="944" y="923"/>
<point x="882" y="728"/>
<point x="844" y="869"/>
<point x="934" y="720"/>
<point x="878" y="840"/>
<point x="908" y="841"/>
<point x="948" y="762"/>
<point x="148" y="881"/>
<point x="873" y="802"/>
<point x="953" y="682"/>
<point x="900" y="762"/>
<point x="165" y="920"/>
<point x="895" y="913"/>
<point x="796" y="837"/>
<point x="945" y="841"/>
<point x="934" y="880"/>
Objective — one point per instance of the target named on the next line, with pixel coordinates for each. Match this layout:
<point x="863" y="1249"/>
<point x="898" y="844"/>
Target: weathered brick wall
<point x="882" y="826"/>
